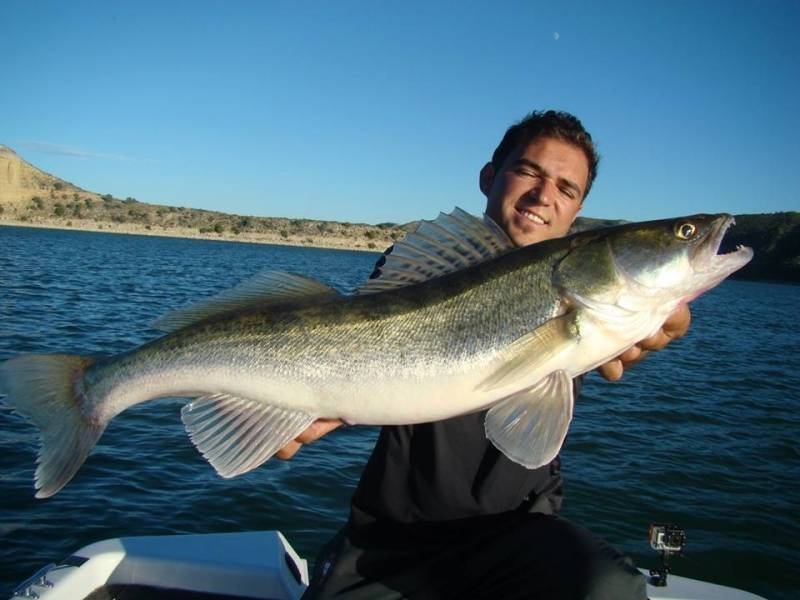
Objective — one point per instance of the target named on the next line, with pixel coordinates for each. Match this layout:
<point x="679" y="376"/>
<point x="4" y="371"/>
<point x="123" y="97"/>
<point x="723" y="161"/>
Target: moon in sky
<point x="556" y="35"/>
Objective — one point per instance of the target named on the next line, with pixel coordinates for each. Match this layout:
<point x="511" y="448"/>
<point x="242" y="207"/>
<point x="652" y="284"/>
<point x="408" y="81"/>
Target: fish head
<point x="670" y="261"/>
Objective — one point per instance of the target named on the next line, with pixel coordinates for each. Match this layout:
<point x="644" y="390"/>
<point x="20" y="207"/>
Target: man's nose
<point x="542" y="192"/>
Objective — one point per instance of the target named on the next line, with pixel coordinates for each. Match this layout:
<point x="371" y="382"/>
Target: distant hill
<point x="20" y="181"/>
<point x="775" y="240"/>
<point x="28" y="195"/>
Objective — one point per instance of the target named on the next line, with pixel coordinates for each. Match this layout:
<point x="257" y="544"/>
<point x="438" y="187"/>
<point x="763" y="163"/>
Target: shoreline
<point x="335" y="243"/>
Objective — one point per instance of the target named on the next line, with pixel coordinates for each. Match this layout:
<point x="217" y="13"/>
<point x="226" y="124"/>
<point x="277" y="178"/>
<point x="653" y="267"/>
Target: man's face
<point x="539" y="190"/>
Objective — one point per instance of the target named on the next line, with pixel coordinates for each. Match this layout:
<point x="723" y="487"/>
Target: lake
<point x="703" y="434"/>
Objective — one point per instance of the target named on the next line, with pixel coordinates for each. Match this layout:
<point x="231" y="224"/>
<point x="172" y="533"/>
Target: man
<point x="439" y="512"/>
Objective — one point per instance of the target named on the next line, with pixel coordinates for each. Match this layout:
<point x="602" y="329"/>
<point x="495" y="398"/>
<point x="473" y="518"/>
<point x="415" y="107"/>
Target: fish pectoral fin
<point x="531" y="350"/>
<point x="450" y="243"/>
<point x="529" y="427"/>
<point x="263" y="289"/>
<point x="236" y="435"/>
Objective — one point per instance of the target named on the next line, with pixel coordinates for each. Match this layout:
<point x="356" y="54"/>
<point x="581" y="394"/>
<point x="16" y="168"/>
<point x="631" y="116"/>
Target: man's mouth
<point x="532" y="216"/>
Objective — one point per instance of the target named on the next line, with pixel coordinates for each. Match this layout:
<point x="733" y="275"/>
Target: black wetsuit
<point x="441" y="513"/>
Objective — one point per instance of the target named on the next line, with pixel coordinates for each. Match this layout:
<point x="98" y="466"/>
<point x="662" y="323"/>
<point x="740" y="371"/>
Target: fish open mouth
<point x="709" y="262"/>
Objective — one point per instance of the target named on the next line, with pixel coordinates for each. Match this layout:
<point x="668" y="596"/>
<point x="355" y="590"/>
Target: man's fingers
<point x="288" y="451"/>
<point x="317" y="429"/>
<point x="655" y="342"/>
<point x="631" y="354"/>
<point x="673" y="328"/>
<point x="612" y="370"/>
<point x="677" y="324"/>
<point x="312" y="433"/>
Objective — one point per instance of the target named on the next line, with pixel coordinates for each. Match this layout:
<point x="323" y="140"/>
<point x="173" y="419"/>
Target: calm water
<point x="705" y="434"/>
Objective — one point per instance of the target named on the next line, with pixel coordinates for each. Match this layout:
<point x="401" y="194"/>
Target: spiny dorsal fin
<point x="269" y="287"/>
<point x="236" y="435"/>
<point x="449" y="243"/>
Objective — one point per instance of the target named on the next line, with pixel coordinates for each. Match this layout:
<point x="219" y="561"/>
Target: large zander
<point x="457" y="321"/>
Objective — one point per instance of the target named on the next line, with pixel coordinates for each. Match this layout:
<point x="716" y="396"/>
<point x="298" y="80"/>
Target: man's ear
<point x="486" y="178"/>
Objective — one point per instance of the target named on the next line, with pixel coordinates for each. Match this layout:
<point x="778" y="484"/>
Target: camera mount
<point x="668" y="539"/>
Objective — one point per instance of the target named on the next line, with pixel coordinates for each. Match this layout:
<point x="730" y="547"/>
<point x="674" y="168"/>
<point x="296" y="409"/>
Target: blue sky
<point x="378" y="111"/>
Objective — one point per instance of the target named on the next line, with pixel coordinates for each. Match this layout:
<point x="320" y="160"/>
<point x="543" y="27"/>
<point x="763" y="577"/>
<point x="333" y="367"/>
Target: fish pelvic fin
<point x="263" y="289"/>
<point x="237" y="435"/>
<point x="530" y="426"/>
<point x="48" y="389"/>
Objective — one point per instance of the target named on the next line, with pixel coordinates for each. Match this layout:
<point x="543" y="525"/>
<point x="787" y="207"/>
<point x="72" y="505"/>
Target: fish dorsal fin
<point x="268" y="287"/>
<point x="529" y="427"/>
<point x="447" y="244"/>
<point x="237" y="435"/>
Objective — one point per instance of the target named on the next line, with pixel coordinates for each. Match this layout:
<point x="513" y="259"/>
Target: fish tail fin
<point x="49" y="391"/>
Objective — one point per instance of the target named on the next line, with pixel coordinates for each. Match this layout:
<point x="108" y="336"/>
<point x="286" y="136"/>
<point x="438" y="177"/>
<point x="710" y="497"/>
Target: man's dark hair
<point x="552" y="123"/>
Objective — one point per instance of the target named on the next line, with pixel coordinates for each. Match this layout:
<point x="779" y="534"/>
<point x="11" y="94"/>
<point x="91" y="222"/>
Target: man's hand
<point x="673" y="328"/>
<point x="314" y="431"/>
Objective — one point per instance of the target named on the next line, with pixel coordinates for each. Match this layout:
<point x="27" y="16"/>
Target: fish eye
<point x="685" y="230"/>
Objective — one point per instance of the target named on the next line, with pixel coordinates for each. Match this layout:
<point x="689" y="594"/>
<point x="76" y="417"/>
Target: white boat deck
<point x="254" y="565"/>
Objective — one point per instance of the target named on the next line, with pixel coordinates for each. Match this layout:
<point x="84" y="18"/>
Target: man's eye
<point x="568" y="192"/>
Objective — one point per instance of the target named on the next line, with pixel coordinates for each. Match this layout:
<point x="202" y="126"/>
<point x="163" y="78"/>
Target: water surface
<point x="703" y="434"/>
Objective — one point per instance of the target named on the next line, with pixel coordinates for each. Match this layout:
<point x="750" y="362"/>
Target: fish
<point x="454" y="320"/>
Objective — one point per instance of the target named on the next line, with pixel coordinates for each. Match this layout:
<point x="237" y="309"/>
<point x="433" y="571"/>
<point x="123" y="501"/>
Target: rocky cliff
<point x="20" y="181"/>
